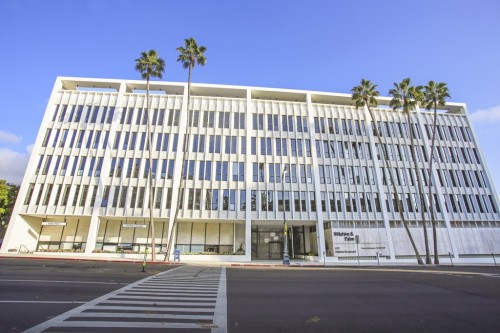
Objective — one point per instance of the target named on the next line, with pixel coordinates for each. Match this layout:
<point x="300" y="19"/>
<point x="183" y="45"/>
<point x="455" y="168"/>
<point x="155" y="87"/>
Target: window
<point x="47" y="195"/>
<point x="133" y="198"/>
<point x="308" y="147"/>
<point x="170" y="173"/>
<point x="331" y="196"/>
<point x="78" y="115"/>
<point x="82" y="166"/>
<point x="243" y="200"/>
<point x="75" y="163"/>
<point x="83" y="196"/>
<point x="157" y="198"/>
<point x="81" y="133"/>
<point x="215" y="199"/>
<point x="56" y="166"/>
<point x="140" y="200"/>
<point x="312" y="199"/>
<point x="168" y="198"/>
<point x="323" y="201"/>
<point x="116" y="196"/>
<point x="65" y="198"/>
<point x="63" y="113"/>
<point x="46" y="138"/>
<point x="46" y="167"/>
<point x="232" y="200"/>
<point x="99" y="167"/>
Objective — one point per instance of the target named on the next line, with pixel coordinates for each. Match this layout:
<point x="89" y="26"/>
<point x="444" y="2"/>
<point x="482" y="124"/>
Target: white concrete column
<point x="248" y="178"/>
<point x="183" y="120"/>
<point x="320" y="231"/>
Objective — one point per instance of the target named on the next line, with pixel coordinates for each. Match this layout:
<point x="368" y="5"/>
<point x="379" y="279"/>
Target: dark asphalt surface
<point x="25" y="284"/>
<point x="355" y="300"/>
<point x="399" y="299"/>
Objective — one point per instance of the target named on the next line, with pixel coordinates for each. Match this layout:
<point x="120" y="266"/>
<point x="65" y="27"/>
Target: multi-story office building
<point x="86" y="185"/>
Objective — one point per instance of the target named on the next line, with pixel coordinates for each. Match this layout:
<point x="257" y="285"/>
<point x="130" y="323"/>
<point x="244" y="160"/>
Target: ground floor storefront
<point x="253" y="240"/>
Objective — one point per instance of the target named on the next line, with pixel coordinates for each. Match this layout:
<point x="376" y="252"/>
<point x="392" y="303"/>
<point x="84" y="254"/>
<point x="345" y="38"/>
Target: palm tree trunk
<point x="431" y="197"/>
<point x="182" y="181"/>
<point x="400" y="208"/>
<point x="419" y="186"/>
<point x="150" y="172"/>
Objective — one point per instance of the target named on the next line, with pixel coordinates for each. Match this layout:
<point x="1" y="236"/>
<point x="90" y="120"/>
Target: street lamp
<point x="286" y="258"/>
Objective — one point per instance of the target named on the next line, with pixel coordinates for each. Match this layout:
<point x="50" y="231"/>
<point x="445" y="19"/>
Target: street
<point x="355" y="300"/>
<point x="35" y="290"/>
<point x="259" y="299"/>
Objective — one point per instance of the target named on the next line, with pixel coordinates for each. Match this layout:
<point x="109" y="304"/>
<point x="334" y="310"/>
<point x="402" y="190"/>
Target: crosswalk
<point x="184" y="299"/>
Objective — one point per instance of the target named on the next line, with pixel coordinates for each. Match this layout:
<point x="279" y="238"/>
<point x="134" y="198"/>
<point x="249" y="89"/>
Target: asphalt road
<point x="32" y="291"/>
<point x="364" y="300"/>
<point x="445" y="299"/>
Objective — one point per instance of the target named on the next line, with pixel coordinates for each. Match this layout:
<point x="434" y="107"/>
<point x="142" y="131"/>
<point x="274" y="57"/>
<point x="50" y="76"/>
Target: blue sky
<point x="311" y="45"/>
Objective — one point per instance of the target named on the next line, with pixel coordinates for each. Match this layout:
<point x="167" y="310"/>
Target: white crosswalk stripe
<point x="187" y="298"/>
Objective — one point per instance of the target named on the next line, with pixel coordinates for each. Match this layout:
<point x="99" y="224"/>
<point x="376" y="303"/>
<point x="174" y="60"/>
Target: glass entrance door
<point x="267" y="242"/>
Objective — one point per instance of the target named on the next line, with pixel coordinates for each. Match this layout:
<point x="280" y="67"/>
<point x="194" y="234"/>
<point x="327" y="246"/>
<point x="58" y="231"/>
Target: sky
<point x="311" y="45"/>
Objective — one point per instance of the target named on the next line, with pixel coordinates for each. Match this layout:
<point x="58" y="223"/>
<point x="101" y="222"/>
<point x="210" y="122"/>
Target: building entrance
<point x="267" y="242"/>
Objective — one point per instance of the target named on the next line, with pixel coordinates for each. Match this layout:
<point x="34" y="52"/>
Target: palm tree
<point x="366" y="95"/>
<point x="189" y="55"/>
<point x="434" y="95"/>
<point x="406" y="97"/>
<point x="150" y="65"/>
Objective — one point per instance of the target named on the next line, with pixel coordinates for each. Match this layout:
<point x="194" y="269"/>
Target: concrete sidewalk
<point x="254" y="263"/>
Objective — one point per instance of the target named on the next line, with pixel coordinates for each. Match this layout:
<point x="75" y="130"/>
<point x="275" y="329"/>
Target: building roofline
<point x="233" y="91"/>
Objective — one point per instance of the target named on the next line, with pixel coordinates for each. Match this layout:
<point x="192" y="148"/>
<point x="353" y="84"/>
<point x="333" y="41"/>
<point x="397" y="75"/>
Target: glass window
<point x="243" y="200"/>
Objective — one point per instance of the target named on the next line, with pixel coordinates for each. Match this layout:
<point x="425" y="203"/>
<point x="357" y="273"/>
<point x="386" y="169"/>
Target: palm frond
<point x="191" y="54"/>
<point x="149" y="64"/>
<point x="365" y="93"/>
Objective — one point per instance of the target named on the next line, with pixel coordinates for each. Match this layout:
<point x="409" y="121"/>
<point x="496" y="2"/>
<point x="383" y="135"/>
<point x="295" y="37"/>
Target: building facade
<point x="256" y="158"/>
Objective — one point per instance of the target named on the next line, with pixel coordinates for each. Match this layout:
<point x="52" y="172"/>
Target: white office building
<point x="86" y="186"/>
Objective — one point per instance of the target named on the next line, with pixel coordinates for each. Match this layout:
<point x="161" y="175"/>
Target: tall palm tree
<point x="406" y="97"/>
<point x="189" y="55"/>
<point x="366" y="95"/>
<point x="434" y="95"/>
<point x="150" y="65"/>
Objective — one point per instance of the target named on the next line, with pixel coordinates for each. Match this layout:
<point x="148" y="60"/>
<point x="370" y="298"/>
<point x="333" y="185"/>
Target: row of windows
<point x="87" y="113"/>
<point x="131" y="168"/>
<point x="450" y="133"/>
<point x="457" y="155"/>
<point x="77" y="138"/>
<point x="158" y="116"/>
<point x="346" y="126"/>
<point x="443" y="132"/>
<point x="469" y="203"/>
<point x="225" y="199"/>
<point x="207" y="119"/>
<point x="297" y="147"/>
<point x="288" y="123"/>
<point x="462" y="178"/>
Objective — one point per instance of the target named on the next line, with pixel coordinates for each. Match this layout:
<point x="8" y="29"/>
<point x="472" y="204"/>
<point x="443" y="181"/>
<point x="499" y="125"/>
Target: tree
<point x="405" y="96"/>
<point x="150" y="65"/>
<point x="4" y="200"/>
<point x="434" y="95"/>
<point x="366" y="95"/>
<point x="189" y="55"/>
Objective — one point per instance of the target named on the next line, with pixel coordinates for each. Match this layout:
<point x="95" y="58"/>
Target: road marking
<point x="186" y="297"/>
<point x="220" y="314"/>
<point x="392" y="270"/>
<point x="43" y="302"/>
<point x="57" y="281"/>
